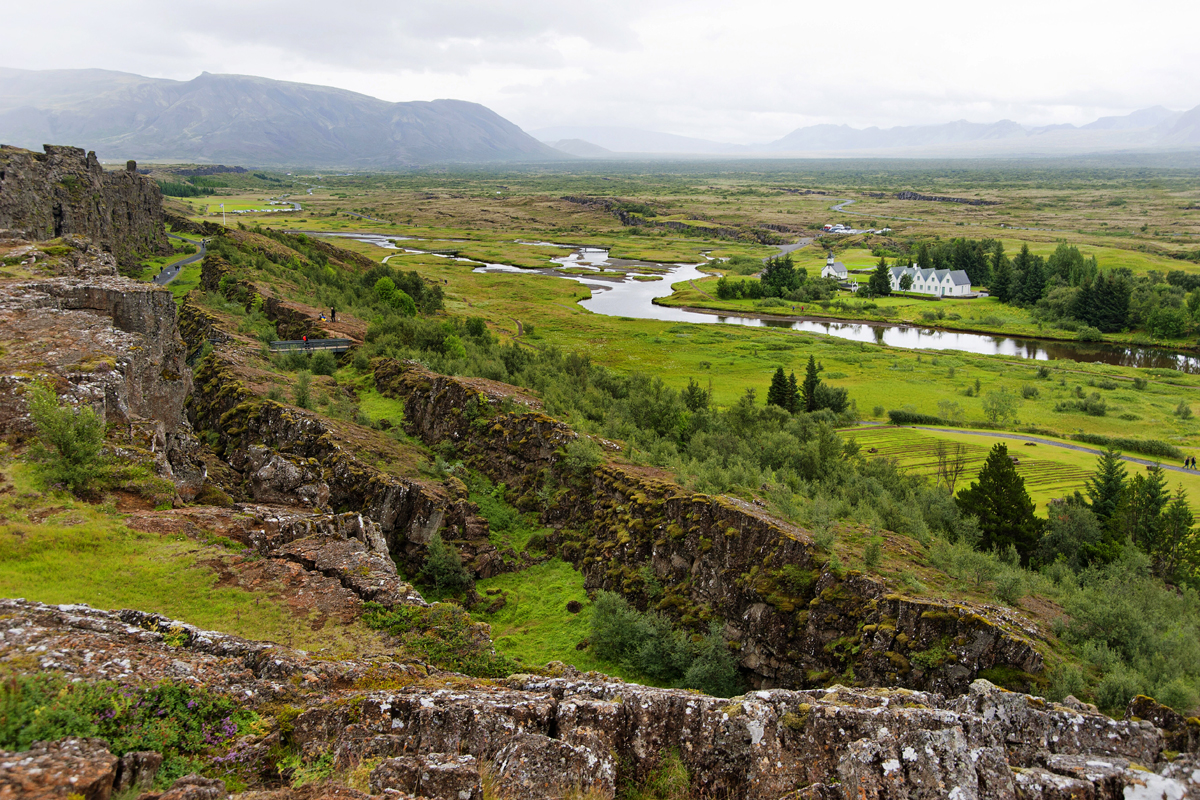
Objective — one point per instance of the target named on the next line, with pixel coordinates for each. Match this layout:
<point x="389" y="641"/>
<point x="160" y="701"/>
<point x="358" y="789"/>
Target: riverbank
<point x="981" y="316"/>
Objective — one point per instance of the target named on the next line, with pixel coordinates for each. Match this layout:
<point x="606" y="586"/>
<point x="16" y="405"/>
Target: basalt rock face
<point x="431" y="732"/>
<point x="65" y="191"/>
<point x="105" y="341"/>
<point x="698" y="557"/>
<point x="287" y="454"/>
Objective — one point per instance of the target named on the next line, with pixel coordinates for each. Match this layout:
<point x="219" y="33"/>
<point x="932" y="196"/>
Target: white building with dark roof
<point x="941" y="282"/>
<point x="834" y="269"/>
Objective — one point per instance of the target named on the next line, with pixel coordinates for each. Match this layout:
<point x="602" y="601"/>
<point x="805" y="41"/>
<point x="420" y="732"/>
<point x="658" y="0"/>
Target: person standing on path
<point x="333" y="313"/>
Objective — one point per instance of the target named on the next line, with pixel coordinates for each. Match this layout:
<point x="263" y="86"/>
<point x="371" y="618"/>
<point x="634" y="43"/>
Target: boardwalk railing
<point x="311" y="346"/>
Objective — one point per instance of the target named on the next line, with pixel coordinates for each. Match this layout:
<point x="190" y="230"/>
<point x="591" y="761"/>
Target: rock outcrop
<point x="105" y="341"/>
<point x="65" y="191"/>
<point x="794" y="622"/>
<point x="541" y="736"/>
<point x="288" y="453"/>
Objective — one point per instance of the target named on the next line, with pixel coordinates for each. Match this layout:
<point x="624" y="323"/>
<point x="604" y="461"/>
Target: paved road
<point x="1038" y="440"/>
<point x="171" y="271"/>
<point x="364" y="216"/>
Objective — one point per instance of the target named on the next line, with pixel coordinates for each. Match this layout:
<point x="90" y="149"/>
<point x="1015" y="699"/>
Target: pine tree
<point x="795" y="401"/>
<point x="999" y="501"/>
<point x="1106" y="493"/>
<point x="443" y="566"/>
<point x="879" y="285"/>
<point x="1033" y="283"/>
<point x="778" y="394"/>
<point x="1176" y="543"/>
<point x="1148" y="498"/>
<point x="1106" y="487"/>
<point x="808" y="390"/>
<point x="923" y="259"/>
<point x="1002" y="275"/>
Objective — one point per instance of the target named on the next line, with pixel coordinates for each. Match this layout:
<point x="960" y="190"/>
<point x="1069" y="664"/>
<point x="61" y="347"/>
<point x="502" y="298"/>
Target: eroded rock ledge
<point x="540" y="735"/>
<point x="714" y="557"/>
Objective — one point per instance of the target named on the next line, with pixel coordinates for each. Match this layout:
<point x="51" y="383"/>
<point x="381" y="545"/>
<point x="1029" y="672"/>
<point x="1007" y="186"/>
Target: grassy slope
<point x="60" y="550"/>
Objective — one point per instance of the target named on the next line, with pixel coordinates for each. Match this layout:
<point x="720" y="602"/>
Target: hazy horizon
<point x="699" y="69"/>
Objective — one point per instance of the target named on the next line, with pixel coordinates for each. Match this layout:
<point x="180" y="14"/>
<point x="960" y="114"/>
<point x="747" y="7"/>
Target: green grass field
<point x="61" y="550"/>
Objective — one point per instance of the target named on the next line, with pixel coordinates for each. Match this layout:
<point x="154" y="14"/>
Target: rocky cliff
<point x="418" y="731"/>
<point x="794" y="621"/>
<point x="103" y="340"/>
<point x="65" y="191"/>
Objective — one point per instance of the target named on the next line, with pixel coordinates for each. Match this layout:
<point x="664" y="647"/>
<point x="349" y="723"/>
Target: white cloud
<point x="746" y="71"/>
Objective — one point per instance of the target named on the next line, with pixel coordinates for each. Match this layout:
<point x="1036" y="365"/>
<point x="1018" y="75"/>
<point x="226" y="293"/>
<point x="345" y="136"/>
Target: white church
<point x="942" y="282"/>
<point x="834" y="269"/>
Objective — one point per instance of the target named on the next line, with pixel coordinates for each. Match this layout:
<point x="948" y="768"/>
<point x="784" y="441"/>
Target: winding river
<point x="614" y="293"/>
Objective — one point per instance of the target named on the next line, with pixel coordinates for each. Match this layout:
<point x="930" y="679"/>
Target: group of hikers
<point x="1189" y="462"/>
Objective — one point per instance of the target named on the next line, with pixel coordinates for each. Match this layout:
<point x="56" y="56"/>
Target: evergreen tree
<point x="808" y="389"/>
<point x="879" y="285"/>
<point x="1176" y="544"/>
<point x="1033" y="281"/>
<point x="1106" y="487"/>
<point x="1002" y="275"/>
<point x="778" y="394"/>
<point x="443" y="566"/>
<point x="795" y="401"/>
<point x="1148" y="498"/>
<point x="999" y="501"/>
<point x="923" y="259"/>
<point x="1110" y="302"/>
<point x="1106" y="493"/>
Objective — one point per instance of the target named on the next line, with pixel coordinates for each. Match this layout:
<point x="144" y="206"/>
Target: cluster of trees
<point x="780" y="278"/>
<point x="1072" y="291"/>
<point x="650" y="644"/>
<point x="1118" y="512"/>
<point x="811" y="395"/>
<point x="1066" y="289"/>
<point x="183" y="189"/>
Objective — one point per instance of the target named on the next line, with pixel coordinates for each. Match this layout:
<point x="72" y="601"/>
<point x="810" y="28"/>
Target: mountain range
<point x="1154" y="128"/>
<point x="249" y="120"/>
<point x="264" y="122"/>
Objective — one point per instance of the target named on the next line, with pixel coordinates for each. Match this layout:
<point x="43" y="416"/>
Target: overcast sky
<point x="741" y="71"/>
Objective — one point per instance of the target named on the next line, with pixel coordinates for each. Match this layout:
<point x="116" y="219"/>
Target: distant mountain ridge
<point x="250" y="120"/>
<point x="1145" y="129"/>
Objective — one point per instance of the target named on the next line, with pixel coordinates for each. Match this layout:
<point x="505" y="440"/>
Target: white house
<point x="834" y="269"/>
<point x="942" y="282"/>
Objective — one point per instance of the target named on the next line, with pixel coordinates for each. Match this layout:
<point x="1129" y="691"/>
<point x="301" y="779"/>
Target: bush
<point x="581" y="456"/>
<point x="1089" y="334"/>
<point x="444" y="635"/>
<point x="1029" y="392"/>
<point x="322" y="363"/>
<point x="902" y="417"/>
<point x="1147" y="447"/>
<point x="173" y="719"/>
<point x="300" y="394"/>
<point x="69" y="441"/>
<point x="873" y="552"/>
<point x="714" y="670"/>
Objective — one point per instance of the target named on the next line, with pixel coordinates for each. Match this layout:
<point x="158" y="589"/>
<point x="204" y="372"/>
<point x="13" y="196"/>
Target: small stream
<point x="616" y="294"/>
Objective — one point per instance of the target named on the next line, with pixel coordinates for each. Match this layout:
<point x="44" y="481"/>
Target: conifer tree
<point x="795" y="401"/>
<point x="1106" y="493"/>
<point x="1004" y="510"/>
<point x="778" y="393"/>
<point x="879" y="285"/>
<point x="808" y="389"/>
<point x="1002" y="276"/>
<point x="1106" y="487"/>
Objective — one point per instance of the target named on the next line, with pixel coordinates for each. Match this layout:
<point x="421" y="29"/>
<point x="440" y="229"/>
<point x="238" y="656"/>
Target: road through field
<point x="1036" y="439"/>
